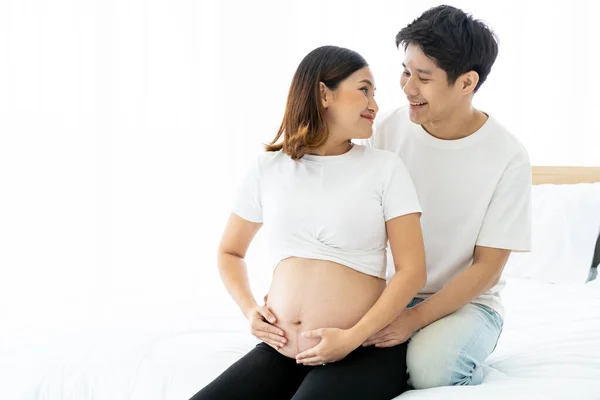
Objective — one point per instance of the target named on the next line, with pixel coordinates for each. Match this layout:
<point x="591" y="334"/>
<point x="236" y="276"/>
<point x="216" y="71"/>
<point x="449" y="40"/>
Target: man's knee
<point x="425" y="370"/>
<point x="426" y="373"/>
<point x="451" y="350"/>
<point x="432" y="363"/>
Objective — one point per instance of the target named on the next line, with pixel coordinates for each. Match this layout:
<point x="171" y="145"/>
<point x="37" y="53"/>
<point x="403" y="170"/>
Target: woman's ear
<point x="325" y="94"/>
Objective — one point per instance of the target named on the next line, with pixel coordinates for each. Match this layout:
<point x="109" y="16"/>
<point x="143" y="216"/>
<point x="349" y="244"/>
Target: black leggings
<point x="366" y="373"/>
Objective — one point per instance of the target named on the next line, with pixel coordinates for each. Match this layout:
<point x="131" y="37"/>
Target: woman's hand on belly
<point x="308" y="294"/>
<point x="335" y="344"/>
<point x="261" y="320"/>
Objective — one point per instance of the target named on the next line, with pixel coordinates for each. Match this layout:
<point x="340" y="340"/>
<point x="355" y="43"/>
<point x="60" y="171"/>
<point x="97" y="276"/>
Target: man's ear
<point x="468" y="82"/>
<point x="325" y="94"/>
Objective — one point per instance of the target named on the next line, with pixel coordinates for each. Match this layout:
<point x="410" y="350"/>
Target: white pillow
<point x="565" y="227"/>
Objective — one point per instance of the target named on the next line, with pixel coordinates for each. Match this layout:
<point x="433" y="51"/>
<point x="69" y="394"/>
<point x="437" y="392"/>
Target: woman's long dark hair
<point x="304" y="126"/>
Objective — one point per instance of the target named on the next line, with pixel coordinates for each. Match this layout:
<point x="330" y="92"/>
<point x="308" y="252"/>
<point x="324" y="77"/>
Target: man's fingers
<point x="373" y="342"/>
<point x="380" y="334"/>
<point x="388" y="343"/>
<point x="312" y="361"/>
<point x="377" y="339"/>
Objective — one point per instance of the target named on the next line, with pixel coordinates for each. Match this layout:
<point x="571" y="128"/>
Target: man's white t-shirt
<point x="474" y="191"/>
<point x="330" y="208"/>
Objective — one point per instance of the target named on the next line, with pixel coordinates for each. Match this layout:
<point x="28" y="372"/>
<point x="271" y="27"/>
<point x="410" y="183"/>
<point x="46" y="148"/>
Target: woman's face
<point x="351" y="108"/>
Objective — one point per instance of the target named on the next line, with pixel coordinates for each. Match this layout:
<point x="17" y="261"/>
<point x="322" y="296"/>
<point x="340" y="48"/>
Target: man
<point x="473" y="179"/>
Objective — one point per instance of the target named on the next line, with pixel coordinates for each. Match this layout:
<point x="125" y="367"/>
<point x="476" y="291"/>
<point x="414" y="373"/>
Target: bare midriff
<point x="308" y="294"/>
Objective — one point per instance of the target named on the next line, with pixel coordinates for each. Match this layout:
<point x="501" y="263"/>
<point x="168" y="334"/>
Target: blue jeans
<point x="451" y="350"/>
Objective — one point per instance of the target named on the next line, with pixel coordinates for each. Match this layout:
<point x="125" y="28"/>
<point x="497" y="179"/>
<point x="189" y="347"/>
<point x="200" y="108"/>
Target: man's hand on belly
<point x="335" y="344"/>
<point x="261" y="320"/>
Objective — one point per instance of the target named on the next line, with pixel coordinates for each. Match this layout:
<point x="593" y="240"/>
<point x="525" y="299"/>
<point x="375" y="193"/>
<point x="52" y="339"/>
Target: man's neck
<point x="459" y="125"/>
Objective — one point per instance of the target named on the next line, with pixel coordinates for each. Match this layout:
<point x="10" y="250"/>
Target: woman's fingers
<point x="265" y="331"/>
<point x="271" y="339"/>
<point x="261" y="326"/>
<point x="272" y="345"/>
<point x="268" y="333"/>
<point x="278" y="340"/>
<point x="267" y="314"/>
<point x="273" y="329"/>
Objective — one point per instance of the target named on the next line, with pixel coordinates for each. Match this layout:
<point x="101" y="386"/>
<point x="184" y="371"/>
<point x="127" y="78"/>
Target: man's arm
<point x="507" y="225"/>
<point x="481" y="276"/>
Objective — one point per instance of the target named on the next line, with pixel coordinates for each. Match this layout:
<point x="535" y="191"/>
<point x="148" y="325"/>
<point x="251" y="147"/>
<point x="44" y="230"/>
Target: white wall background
<point x="125" y="125"/>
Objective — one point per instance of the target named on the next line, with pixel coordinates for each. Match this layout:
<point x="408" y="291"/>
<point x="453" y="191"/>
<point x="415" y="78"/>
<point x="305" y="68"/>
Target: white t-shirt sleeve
<point x="248" y="204"/>
<point x="399" y="194"/>
<point x="507" y="222"/>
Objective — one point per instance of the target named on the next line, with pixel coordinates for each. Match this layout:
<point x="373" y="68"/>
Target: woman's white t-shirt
<point x="330" y="208"/>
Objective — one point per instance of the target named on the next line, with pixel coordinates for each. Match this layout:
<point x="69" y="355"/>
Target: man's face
<point x="426" y="87"/>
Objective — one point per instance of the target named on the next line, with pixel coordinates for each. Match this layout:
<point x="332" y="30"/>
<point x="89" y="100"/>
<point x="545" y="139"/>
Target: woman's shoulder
<point x="268" y="158"/>
<point x="271" y="155"/>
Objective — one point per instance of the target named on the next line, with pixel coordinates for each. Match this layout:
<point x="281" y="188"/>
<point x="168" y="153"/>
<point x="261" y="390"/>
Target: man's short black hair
<point x="455" y="41"/>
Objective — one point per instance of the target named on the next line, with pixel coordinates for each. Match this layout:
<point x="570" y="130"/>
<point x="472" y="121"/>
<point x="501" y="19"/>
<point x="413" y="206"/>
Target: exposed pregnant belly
<point x="308" y="294"/>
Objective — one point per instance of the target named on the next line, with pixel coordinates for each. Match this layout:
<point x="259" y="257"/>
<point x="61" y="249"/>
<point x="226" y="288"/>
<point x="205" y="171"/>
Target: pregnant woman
<point x="328" y="208"/>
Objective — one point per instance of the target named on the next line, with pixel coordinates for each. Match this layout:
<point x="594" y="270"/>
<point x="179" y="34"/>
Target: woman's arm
<point x="234" y="244"/>
<point x="408" y="250"/>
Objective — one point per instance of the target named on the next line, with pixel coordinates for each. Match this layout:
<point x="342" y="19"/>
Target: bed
<point x="549" y="349"/>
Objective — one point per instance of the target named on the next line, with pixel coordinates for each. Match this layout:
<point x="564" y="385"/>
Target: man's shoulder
<point x="390" y="128"/>
<point x="393" y="118"/>
<point x="510" y="144"/>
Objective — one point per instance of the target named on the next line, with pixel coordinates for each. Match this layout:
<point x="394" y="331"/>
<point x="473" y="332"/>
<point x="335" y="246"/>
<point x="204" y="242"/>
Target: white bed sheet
<point x="550" y="349"/>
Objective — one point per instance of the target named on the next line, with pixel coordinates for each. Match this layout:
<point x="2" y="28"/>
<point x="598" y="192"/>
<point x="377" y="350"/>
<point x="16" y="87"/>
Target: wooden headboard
<point x="565" y="175"/>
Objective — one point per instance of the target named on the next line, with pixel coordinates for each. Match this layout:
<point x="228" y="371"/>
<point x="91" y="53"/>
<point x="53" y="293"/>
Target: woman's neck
<point x="333" y="148"/>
